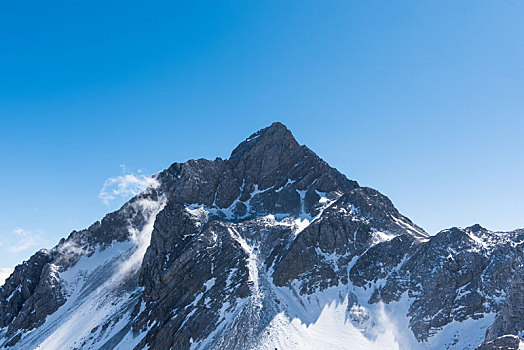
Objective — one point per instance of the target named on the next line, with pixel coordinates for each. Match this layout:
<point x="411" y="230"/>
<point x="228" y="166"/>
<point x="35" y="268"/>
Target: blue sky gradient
<point x="422" y="100"/>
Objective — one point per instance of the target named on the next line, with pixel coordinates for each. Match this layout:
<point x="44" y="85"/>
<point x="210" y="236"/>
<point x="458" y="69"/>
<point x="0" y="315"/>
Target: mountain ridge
<point x="231" y="253"/>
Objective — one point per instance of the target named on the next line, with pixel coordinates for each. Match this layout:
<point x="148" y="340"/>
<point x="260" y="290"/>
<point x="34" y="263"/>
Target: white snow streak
<point x="100" y="290"/>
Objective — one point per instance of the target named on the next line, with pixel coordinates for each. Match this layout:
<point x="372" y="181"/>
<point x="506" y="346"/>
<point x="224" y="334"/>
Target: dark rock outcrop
<point x="21" y="285"/>
<point x="505" y="342"/>
<point x="510" y="320"/>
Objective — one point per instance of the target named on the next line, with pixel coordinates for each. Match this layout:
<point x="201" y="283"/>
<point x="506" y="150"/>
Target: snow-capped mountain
<point x="269" y="249"/>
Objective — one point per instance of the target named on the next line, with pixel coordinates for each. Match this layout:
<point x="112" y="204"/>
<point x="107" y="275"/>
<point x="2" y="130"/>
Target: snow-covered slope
<point x="99" y="291"/>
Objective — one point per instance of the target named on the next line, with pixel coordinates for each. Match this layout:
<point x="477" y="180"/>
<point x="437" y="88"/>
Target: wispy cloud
<point x="24" y="240"/>
<point x="4" y="273"/>
<point x="125" y="185"/>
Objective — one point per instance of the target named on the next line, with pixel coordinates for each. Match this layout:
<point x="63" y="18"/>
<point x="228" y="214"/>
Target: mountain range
<point x="269" y="249"/>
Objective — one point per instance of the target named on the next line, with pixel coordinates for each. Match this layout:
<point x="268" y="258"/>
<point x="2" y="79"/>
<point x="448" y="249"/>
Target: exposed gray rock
<point x="261" y="177"/>
<point x="505" y="342"/>
<point x="20" y="286"/>
<point x="510" y="320"/>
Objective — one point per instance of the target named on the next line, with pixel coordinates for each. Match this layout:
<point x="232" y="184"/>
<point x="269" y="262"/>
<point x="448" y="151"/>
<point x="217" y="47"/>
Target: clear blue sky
<point x="422" y="100"/>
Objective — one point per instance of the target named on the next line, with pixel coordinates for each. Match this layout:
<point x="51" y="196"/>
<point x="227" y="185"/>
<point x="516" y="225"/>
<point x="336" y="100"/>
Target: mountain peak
<point x="273" y="156"/>
<point x="476" y="228"/>
<point x="274" y="138"/>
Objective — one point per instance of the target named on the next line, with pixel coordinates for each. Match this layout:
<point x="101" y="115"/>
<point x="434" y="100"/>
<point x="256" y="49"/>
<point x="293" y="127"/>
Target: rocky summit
<point x="269" y="249"/>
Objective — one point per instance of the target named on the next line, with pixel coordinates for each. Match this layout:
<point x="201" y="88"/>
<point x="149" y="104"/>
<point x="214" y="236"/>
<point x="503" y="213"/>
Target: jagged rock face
<point x="228" y="254"/>
<point x="346" y="229"/>
<point x="455" y="275"/>
<point x="21" y="285"/>
<point x="506" y="342"/>
<point x="266" y="174"/>
<point x="511" y="318"/>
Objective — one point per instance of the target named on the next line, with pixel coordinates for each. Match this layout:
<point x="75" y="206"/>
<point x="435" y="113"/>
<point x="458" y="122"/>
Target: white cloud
<point x="125" y="186"/>
<point x="4" y="273"/>
<point x="25" y="239"/>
